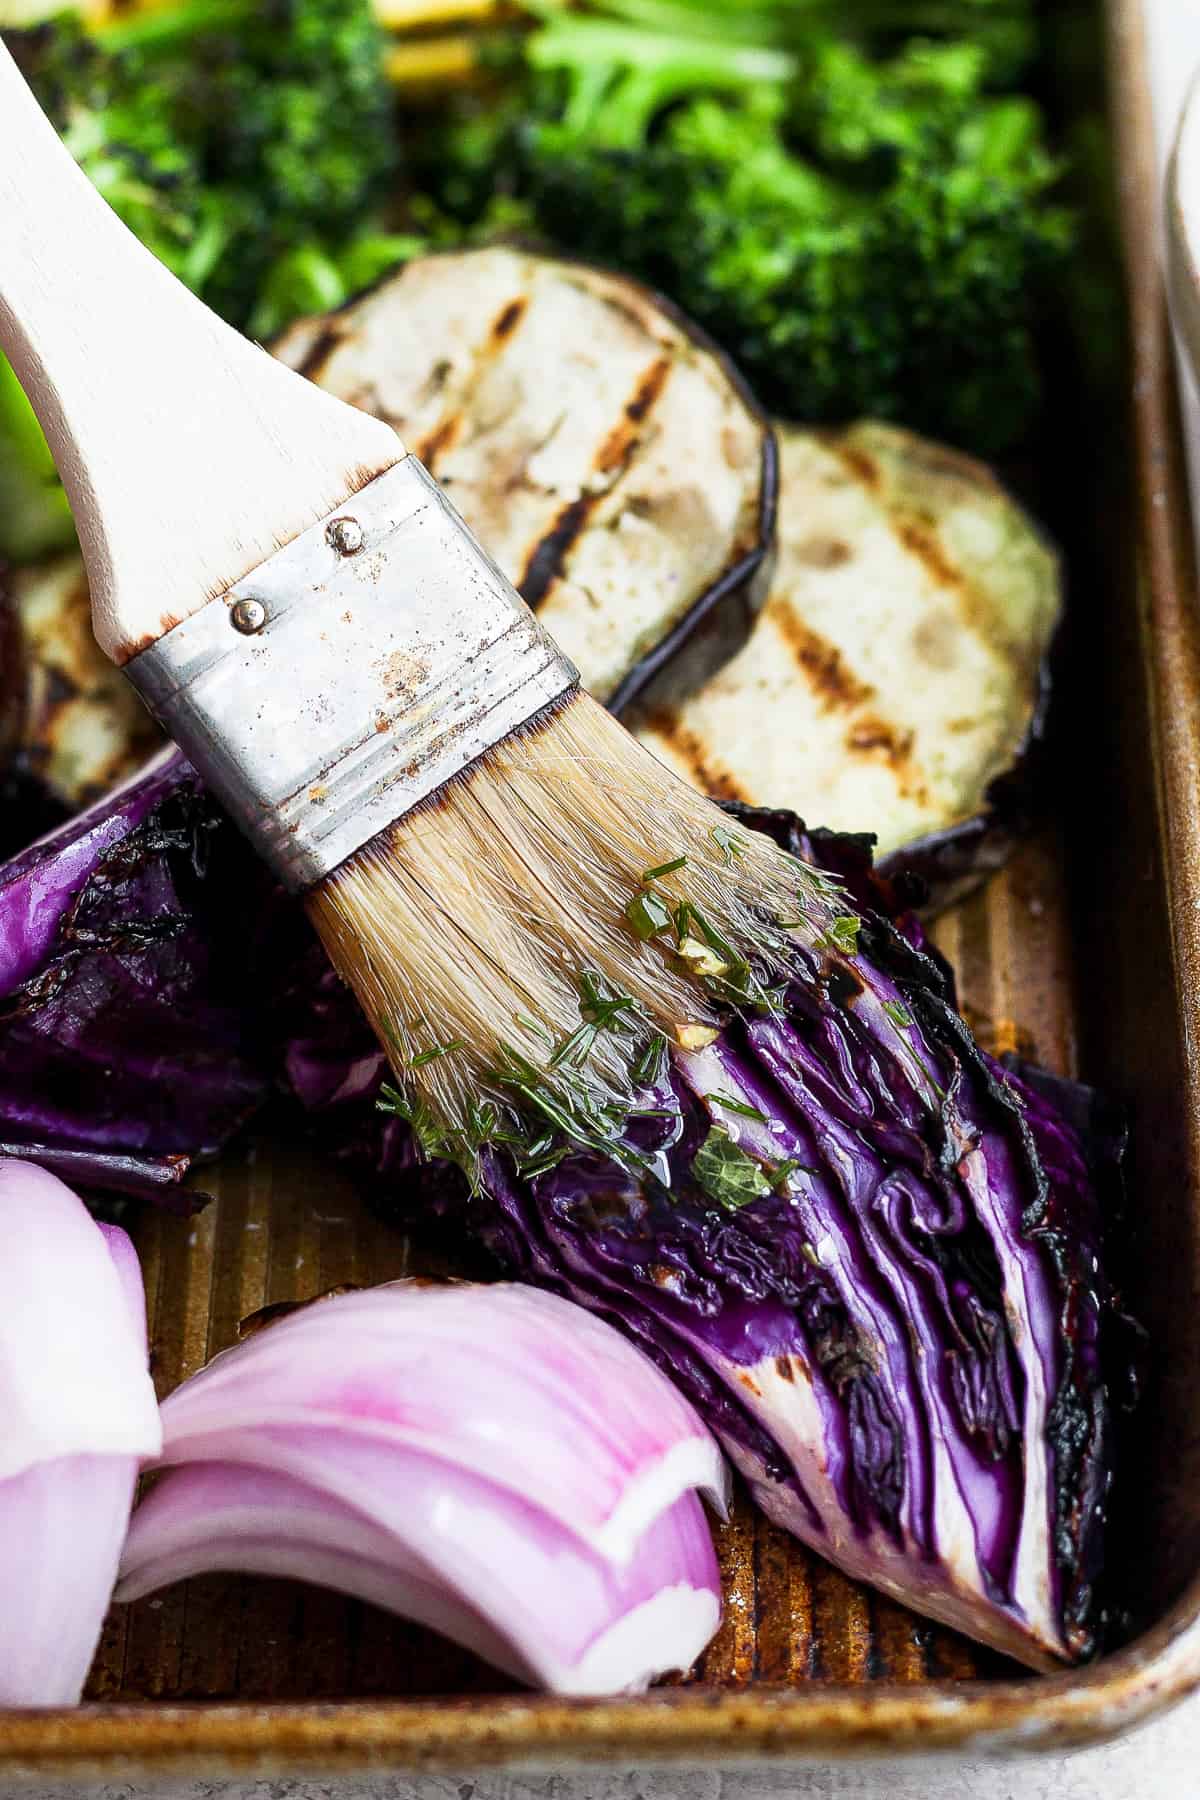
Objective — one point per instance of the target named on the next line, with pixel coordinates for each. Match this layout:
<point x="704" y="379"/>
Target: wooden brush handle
<point x="188" y="454"/>
<point x="1183" y="227"/>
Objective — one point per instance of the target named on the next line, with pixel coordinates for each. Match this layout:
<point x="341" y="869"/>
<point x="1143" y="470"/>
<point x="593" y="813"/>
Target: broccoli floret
<point x="612" y="97"/>
<point x="123" y="134"/>
<point x="226" y="133"/>
<point x="314" y="278"/>
<point x="286" y="110"/>
<point x="248" y="144"/>
<point x="863" y="232"/>
<point x="1003" y="32"/>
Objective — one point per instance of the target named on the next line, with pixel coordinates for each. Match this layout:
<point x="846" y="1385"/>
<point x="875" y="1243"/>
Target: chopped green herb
<point x="782" y="1171"/>
<point x="716" y="942"/>
<point x="534" y="1025"/>
<point x="484" y="1121"/>
<point x="737" y="1106"/>
<point x="432" y="1137"/>
<point x="730" y="845"/>
<point x="649" y="1067"/>
<point x="391" y="1100"/>
<point x="725" y="1172"/>
<point x="606" y="1010"/>
<point x="564" y="1101"/>
<point x="576" y="1048"/>
<point x="842" y="933"/>
<point x="648" y="915"/>
<point x="899" y="1015"/>
<point x="428" y="1056"/>
<point x="530" y="1166"/>
<point x="600" y="1011"/>
<point x="667" y="868"/>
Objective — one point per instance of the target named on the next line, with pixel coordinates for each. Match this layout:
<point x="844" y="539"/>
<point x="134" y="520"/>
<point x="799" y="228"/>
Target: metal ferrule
<point x="351" y="675"/>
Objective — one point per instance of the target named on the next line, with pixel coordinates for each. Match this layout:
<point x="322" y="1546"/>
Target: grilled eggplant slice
<point x="605" y="452"/>
<point x="895" y="680"/>
<point x="82" y="727"/>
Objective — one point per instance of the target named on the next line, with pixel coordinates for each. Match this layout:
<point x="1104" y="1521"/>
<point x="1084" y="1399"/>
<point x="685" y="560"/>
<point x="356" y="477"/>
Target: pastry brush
<point x="528" y="906"/>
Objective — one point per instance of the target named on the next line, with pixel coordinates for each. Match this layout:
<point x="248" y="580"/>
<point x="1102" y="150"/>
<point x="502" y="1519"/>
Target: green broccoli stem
<point x="35" y="518"/>
<point x="621" y="78"/>
<point x="168" y="26"/>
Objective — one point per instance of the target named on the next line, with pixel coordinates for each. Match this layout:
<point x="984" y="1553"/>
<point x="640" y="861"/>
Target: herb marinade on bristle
<point x="528" y="945"/>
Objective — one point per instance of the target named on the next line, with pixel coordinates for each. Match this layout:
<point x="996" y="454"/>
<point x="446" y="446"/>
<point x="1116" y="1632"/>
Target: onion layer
<point x="489" y="1461"/>
<point x="79" y="1413"/>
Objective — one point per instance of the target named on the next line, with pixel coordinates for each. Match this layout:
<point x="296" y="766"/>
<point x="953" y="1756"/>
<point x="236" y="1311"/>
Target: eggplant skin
<point x="602" y="448"/>
<point x="897" y="677"/>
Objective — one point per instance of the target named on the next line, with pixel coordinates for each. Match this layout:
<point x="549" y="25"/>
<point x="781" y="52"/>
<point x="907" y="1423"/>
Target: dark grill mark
<point x="690" y="748"/>
<point x="443" y="437"/>
<point x="322" y="348"/>
<point x="507" y="320"/>
<point x="450" y="428"/>
<point x="820" y="660"/>
<point x="622" y="439"/>
<point x="626" y="307"/>
<point x="783" y="1368"/>
<point x="544" y="564"/>
<point x="864" y="468"/>
<point x="823" y="552"/>
<point x="647" y="391"/>
<point x="876" y="734"/>
<point x="980" y="609"/>
<point x="923" y="542"/>
<point x="950" y="465"/>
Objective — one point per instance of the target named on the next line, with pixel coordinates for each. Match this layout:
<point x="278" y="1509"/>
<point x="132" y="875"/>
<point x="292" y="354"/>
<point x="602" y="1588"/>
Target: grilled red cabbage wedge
<point x="896" y="679"/>
<point x="603" y="449"/>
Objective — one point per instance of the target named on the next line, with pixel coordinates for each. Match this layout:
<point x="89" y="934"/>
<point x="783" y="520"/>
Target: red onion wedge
<point x="79" y="1415"/>
<point x="489" y="1461"/>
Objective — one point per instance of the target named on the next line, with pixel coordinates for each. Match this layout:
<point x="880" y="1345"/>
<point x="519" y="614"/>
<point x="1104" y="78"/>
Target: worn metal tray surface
<point x="1085" y="954"/>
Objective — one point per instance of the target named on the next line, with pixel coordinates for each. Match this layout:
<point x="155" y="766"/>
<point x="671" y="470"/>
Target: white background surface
<point x="1159" y="1762"/>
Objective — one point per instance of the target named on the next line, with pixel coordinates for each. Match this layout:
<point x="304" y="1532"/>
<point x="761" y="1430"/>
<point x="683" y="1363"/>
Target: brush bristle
<point x="487" y="931"/>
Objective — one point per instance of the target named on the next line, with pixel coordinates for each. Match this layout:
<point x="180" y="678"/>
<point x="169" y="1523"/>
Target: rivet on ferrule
<point x="247" y="616"/>
<point x="345" y="535"/>
<point x="371" y="680"/>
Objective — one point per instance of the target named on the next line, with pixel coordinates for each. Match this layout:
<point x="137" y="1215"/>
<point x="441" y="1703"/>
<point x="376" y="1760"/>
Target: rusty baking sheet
<point x="1084" y="954"/>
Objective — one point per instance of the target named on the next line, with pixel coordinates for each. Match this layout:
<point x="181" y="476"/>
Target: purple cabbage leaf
<point x="868" y="1252"/>
<point x="127" y="1048"/>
